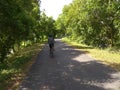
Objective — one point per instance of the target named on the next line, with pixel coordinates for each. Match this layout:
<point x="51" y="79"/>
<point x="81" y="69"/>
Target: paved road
<point x="69" y="69"/>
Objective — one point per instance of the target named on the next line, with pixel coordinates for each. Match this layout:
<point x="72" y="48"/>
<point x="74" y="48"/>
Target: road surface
<point x="69" y="69"/>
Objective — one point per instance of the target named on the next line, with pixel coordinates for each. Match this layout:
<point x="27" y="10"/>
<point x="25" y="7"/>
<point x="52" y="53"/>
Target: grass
<point x="14" y="69"/>
<point x="106" y="56"/>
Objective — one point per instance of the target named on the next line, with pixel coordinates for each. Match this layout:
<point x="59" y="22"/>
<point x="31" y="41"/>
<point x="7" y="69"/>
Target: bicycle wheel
<point x="51" y="52"/>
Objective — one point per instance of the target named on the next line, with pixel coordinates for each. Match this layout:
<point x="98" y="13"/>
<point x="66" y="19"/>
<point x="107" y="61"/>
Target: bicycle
<point x="51" y="51"/>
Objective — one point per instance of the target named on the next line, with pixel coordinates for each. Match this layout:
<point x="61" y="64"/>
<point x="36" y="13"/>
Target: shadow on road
<point x="70" y="69"/>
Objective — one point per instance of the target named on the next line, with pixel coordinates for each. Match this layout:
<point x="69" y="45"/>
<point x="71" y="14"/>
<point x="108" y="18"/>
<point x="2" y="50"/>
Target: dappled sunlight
<point x="65" y="49"/>
<point x="116" y="75"/>
<point x="102" y="55"/>
<point x="70" y="69"/>
<point x="47" y="87"/>
<point x="82" y="58"/>
<point x="99" y="74"/>
<point x="87" y="82"/>
<point x="104" y="78"/>
<point x="115" y="83"/>
<point x="92" y="73"/>
<point x="107" y="84"/>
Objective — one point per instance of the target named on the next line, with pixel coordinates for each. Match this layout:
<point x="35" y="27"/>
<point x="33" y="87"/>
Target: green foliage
<point x="18" y="22"/>
<point x="47" y="25"/>
<point x="93" y="22"/>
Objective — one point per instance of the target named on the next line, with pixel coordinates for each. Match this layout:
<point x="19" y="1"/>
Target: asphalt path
<point x="69" y="69"/>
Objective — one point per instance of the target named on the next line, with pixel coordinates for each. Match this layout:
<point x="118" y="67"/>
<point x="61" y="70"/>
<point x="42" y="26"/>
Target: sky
<point x="53" y="7"/>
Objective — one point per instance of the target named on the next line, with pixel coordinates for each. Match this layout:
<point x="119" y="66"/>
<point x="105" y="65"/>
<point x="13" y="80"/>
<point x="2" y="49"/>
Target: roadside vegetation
<point x="14" y="69"/>
<point x="92" y="22"/>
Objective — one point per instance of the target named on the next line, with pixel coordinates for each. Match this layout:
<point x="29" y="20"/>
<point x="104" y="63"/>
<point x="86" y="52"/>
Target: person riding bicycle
<point x="51" y="42"/>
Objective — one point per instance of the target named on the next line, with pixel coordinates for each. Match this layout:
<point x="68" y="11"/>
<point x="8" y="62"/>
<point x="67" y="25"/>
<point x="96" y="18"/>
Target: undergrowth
<point x="13" y="70"/>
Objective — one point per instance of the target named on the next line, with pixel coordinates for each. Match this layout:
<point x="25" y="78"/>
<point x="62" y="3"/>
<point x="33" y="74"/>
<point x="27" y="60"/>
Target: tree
<point x="93" y="22"/>
<point x="18" y="19"/>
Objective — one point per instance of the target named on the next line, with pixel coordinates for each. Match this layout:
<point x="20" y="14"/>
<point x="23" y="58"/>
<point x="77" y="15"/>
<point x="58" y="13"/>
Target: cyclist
<point x="51" y="42"/>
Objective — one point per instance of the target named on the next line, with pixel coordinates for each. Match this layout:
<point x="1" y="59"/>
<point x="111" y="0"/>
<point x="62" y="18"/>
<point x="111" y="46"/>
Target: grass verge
<point x="15" y="68"/>
<point x="107" y="57"/>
